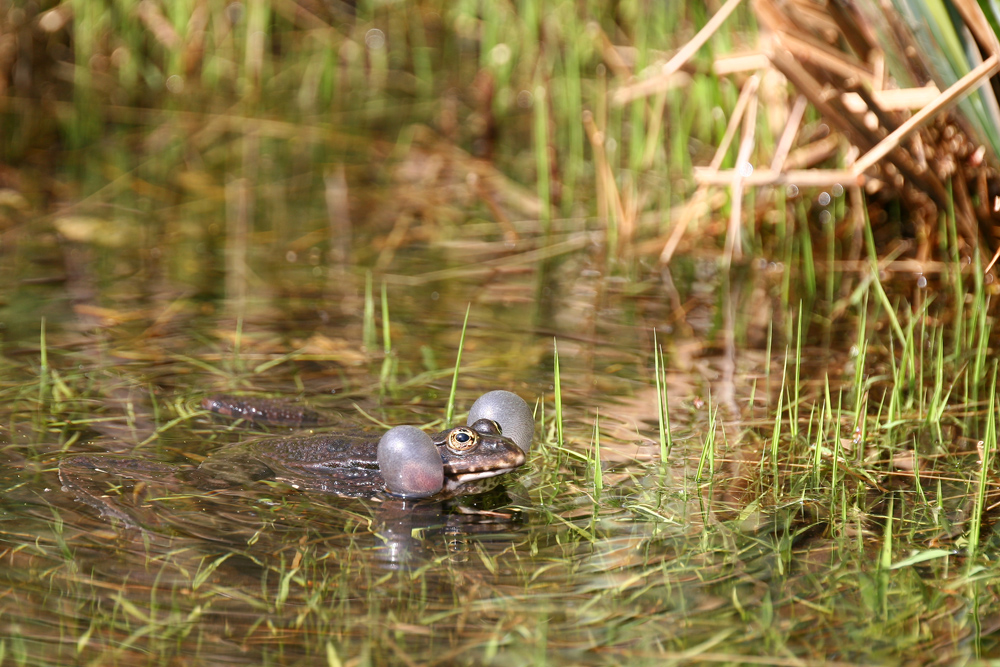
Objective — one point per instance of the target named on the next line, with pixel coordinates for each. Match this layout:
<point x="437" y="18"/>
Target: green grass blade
<point x="598" y="472"/>
<point x="988" y="446"/>
<point x="450" y="410"/>
<point x="558" y="394"/>
<point x="368" y="331"/>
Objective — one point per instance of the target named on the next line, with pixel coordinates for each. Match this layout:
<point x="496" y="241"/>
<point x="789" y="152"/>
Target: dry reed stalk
<point x="606" y="186"/>
<point x="612" y="56"/>
<point x="740" y="62"/>
<point x="734" y="246"/>
<point x="894" y="142"/>
<point x="966" y="84"/>
<point x="899" y="99"/>
<point x="696" y="203"/>
<point x="812" y="154"/>
<point x="788" y="135"/>
<point x="803" y="178"/>
<point x="818" y="54"/>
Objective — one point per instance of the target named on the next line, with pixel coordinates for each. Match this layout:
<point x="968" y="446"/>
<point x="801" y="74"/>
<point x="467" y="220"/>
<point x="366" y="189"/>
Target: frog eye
<point x="462" y="439"/>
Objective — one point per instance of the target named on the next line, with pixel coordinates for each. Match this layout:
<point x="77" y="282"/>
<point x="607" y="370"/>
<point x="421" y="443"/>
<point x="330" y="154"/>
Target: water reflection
<point x="406" y="528"/>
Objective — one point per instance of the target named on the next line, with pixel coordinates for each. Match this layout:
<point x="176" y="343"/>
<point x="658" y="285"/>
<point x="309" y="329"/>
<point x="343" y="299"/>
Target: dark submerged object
<point x="405" y="461"/>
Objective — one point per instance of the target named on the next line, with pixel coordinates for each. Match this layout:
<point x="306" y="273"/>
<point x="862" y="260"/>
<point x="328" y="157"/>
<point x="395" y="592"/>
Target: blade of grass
<point x="387" y="378"/>
<point x="558" y="394"/>
<point x="43" y="371"/>
<point x="876" y="283"/>
<point x="663" y="410"/>
<point x="708" y="448"/>
<point x="777" y="428"/>
<point x="368" y="331"/>
<point x="541" y="134"/>
<point x="598" y="472"/>
<point x="793" y="416"/>
<point x="450" y="410"/>
<point x="988" y="446"/>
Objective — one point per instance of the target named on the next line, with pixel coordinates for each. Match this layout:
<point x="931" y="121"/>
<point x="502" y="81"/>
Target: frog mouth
<point x="482" y="474"/>
<point x="453" y="481"/>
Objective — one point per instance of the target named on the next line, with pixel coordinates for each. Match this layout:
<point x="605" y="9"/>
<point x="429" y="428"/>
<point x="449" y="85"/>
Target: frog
<point x="404" y="462"/>
<point x="348" y="464"/>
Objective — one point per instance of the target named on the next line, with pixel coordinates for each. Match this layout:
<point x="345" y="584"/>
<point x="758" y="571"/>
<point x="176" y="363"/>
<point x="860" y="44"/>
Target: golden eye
<point x="462" y="439"/>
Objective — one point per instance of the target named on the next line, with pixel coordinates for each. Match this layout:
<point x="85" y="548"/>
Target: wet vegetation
<point x="772" y="441"/>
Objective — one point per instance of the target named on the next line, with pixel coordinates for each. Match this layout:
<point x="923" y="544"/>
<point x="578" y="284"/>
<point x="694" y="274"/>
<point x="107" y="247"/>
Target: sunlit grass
<point x="316" y="580"/>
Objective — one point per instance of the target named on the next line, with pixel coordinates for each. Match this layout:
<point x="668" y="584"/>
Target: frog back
<point x="328" y="450"/>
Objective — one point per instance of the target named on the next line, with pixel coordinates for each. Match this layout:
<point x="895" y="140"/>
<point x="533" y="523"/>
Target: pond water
<point x="110" y="343"/>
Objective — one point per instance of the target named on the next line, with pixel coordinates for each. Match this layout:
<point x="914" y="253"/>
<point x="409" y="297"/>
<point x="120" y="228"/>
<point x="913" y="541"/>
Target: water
<point x="109" y="345"/>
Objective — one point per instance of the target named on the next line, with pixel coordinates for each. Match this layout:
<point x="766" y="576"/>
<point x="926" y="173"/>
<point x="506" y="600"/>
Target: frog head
<point x="476" y="452"/>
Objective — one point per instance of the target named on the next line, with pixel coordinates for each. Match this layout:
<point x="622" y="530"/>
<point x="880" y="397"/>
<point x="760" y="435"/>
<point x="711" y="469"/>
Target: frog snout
<point x="520" y="457"/>
<point x="512" y="453"/>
